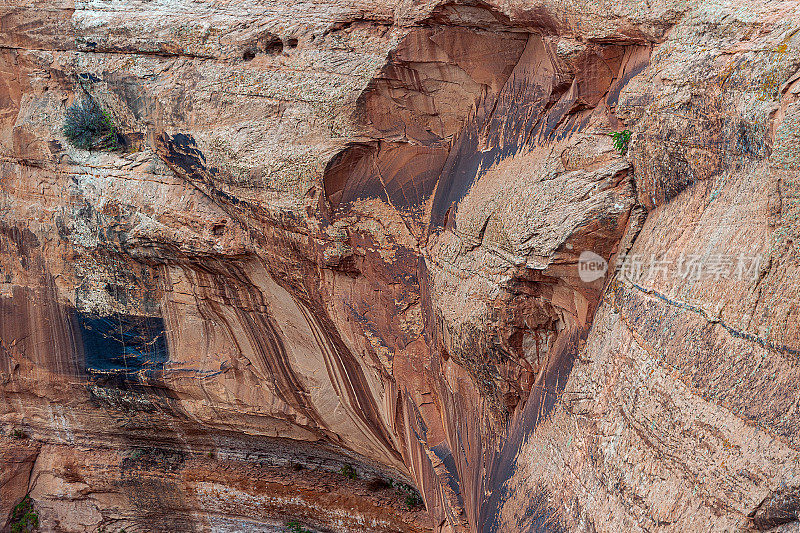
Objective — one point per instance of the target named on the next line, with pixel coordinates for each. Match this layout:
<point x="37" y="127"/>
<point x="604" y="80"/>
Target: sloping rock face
<point x="343" y="252"/>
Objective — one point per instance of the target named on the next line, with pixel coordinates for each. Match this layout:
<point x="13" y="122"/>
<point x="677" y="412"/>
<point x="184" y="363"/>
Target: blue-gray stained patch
<point x="444" y="454"/>
<point x="88" y="75"/>
<point x="123" y="344"/>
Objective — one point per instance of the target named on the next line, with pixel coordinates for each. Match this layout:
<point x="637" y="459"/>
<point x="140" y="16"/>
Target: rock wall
<point x="339" y="255"/>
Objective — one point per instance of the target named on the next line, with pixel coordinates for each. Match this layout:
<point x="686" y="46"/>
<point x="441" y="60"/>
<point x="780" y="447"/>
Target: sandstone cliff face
<point x="339" y="254"/>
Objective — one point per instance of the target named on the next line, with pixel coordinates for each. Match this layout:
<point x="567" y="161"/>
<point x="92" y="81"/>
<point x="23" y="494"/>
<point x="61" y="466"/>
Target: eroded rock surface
<point x="338" y="257"/>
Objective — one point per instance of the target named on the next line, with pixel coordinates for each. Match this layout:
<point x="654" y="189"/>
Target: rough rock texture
<point x="339" y="253"/>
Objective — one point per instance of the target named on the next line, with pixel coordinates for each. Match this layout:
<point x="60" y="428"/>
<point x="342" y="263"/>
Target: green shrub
<point x="135" y="454"/>
<point x="295" y="527"/>
<point x="19" y="434"/>
<point x="24" y="518"/>
<point x="87" y="126"/>
<point x="621" y="139"/>
<point x="412" y="498"/>
<point x="413" y="501"/>
<point x="349" y="472"/>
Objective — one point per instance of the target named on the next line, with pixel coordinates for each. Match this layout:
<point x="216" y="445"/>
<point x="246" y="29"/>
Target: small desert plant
<point x="349" y="472"/>
<point x="24" y="518"/>
<point x="19" y="434"/>
<point x="87" y="126"/>
<point x="412" y="498"/>
<point x="134" y="454"/>
<point x="621" y="139"/>
<point x="295" y="527"/>
<point x="413" y="501"/>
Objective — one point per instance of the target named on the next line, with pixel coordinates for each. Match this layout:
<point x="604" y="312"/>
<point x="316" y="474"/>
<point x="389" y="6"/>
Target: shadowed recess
<point x="122" y="344"/>
<point x="351" y="175"/>
<point x="416" y="106"/>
